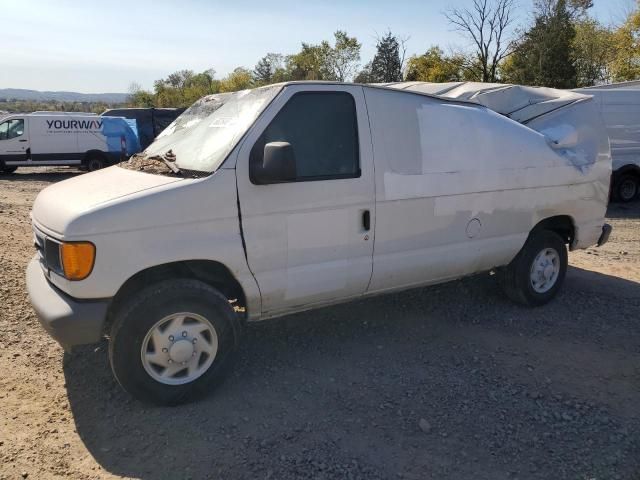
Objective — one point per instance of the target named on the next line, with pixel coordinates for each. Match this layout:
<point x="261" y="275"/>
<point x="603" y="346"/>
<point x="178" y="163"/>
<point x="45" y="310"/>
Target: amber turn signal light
<point x="77" y="259"/>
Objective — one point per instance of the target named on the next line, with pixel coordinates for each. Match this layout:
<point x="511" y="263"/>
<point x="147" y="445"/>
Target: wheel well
<point x="560" y="224"/>
<point x="94" y="153"/>
<point x="631" y="169"/>
<point x="212" y="273"/>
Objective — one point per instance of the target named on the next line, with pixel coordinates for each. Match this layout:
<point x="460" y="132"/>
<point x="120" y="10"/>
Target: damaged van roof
<point x="520" y="103"/>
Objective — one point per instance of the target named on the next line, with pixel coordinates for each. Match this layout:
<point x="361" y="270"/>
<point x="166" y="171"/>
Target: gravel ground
<point x="447" y="382"/>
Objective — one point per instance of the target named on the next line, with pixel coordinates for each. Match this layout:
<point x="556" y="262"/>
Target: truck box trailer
<point x="65" y="139"/>
<point x="150" y="121"/>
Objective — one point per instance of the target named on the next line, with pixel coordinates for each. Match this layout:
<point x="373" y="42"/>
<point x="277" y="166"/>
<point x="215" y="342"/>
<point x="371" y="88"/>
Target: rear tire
<point x="94" y="162"/>
<point x="8" y="170"/>
<point x="627" y="188"/>
<point x="169" y="325"/>
<point x="534" y="277"/>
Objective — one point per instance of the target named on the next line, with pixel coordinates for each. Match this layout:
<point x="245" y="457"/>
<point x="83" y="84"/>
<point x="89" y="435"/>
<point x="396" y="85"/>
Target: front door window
<point x="11" y="129"/>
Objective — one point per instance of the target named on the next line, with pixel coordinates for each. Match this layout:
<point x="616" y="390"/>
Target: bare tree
<point x="488" y="25"/>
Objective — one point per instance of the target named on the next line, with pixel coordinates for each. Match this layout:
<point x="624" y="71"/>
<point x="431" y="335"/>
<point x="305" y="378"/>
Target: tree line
<point x="562" y="47"/>
<point x="10" y="105"/>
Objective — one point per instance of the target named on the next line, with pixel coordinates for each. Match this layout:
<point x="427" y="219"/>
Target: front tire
<point x="94" y="162"/>
<point x="173" y="341"/>
<point x="534" y="277"/>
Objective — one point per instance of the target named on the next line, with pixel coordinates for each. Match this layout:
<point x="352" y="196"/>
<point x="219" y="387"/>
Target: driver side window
<point x="11" y="129"/>
<point x="322" y="129"/>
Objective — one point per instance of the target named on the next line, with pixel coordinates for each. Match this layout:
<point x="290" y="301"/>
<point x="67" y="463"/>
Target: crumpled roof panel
<point x="520" y="103"/>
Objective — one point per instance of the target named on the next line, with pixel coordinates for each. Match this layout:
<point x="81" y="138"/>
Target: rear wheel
<point x="173" y="341"/>
<point x="627" y="188"/>
<point x="536" y="274"/>
<point x="94" y="162"/>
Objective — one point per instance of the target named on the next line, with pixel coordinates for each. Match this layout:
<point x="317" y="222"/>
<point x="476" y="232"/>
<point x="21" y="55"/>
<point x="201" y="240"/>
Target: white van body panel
<point x="459" y="187"/>
<point x="305" y="241"/>
<point x="45" y="140"/>
<point x="620" y="108"/>
<point x="142" y="221"/>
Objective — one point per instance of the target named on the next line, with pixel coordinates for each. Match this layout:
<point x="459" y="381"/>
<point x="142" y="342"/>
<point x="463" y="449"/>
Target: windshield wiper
<point x="168" y="159"/>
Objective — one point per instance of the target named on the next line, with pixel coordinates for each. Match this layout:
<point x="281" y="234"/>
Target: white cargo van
<point x="619" y="104"/>
<point x="298" y="195"/>
<point x="62" y="138"/>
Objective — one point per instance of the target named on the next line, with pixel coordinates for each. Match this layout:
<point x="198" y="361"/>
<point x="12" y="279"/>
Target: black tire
<point x="8" y="170"/>
<point x="517" y="281"/>
<point x="94" y="161"/>
<point x="627" y="187"/>
<point x="140" y="314"/>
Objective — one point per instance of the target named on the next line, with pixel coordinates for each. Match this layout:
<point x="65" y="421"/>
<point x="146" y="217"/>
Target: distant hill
<point x="36" y="96"/>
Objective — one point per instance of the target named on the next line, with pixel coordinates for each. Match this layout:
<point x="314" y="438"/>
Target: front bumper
<point x="69" y="321"/>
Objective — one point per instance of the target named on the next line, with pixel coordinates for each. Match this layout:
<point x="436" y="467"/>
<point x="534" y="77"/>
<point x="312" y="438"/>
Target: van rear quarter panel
<point x="459" y="187"/>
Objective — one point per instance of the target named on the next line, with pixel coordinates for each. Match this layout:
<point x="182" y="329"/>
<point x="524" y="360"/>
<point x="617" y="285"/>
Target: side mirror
<point x="278" y="164"/>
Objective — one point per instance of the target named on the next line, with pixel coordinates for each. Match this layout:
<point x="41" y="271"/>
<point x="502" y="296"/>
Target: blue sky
<point x="93" y="46"/>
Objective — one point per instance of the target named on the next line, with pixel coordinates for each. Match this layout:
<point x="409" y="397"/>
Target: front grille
<point x="48" y="251"/>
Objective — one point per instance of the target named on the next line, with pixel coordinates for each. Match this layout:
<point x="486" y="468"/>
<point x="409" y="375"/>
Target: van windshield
<point x="203" y="136"/>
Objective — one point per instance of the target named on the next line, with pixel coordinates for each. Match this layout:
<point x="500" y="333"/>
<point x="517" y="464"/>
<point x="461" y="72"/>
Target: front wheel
<point x="534" y="277"/>
<point x="172" y="341"/>
<point x="94" y="162"/>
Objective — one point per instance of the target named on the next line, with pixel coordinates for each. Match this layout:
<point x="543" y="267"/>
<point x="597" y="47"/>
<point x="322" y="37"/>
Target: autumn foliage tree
<point x="625" y="64"/>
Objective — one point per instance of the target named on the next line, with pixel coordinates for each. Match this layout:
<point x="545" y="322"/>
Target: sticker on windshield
<point x="221" y="122"/>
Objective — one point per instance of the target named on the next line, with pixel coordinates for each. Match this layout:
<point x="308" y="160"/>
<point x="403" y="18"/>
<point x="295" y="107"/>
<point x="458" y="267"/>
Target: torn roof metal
<point x="517" y="102"/>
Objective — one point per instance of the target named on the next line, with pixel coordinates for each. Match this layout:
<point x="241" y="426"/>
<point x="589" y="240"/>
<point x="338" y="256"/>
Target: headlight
<point x="77" y="259"/>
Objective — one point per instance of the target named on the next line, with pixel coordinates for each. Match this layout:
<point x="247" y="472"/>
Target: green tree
<point x="386" y="65"/>
<point x="311" y="63"/>
<point x="344" y="56"/>
<point x="324" y="62"/>
<point x="625" y="64"/>
<point x="269" y="69"/>
<point x="365" y="75"/>
<point x="138" y="97"/>
<point x="435" y="66"/>
<point x="239" y="79"/>
<point x="544" y="56"/>
<point x="592" y="52"/>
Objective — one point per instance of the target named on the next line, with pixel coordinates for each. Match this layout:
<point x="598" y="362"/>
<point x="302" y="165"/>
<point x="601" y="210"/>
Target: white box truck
<point x="60" y="138"/>
<point x="299" y="195"/>
<point x="619" y="104"/>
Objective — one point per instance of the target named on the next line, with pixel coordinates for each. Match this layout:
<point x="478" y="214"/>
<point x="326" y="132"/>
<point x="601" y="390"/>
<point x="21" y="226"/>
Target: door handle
<point x="23" y="140"/>
<point x="366" y="220"/>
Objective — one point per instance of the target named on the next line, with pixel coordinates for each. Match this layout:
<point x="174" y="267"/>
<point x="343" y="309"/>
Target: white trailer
<point x="619" y="104"/>
<point x="61" y="138"/>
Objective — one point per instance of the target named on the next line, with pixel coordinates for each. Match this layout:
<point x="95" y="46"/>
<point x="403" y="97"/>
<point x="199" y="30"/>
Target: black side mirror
<point x="278" y="164"/>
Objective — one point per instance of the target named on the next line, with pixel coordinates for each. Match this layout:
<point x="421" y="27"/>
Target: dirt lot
<point x="452" y="381"/>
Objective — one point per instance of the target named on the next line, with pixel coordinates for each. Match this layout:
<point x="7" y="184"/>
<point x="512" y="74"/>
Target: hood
<point x="58" y="205"/>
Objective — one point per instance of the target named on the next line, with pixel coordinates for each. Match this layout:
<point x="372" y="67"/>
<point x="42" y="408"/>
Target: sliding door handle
<point x="366" y="220"/>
